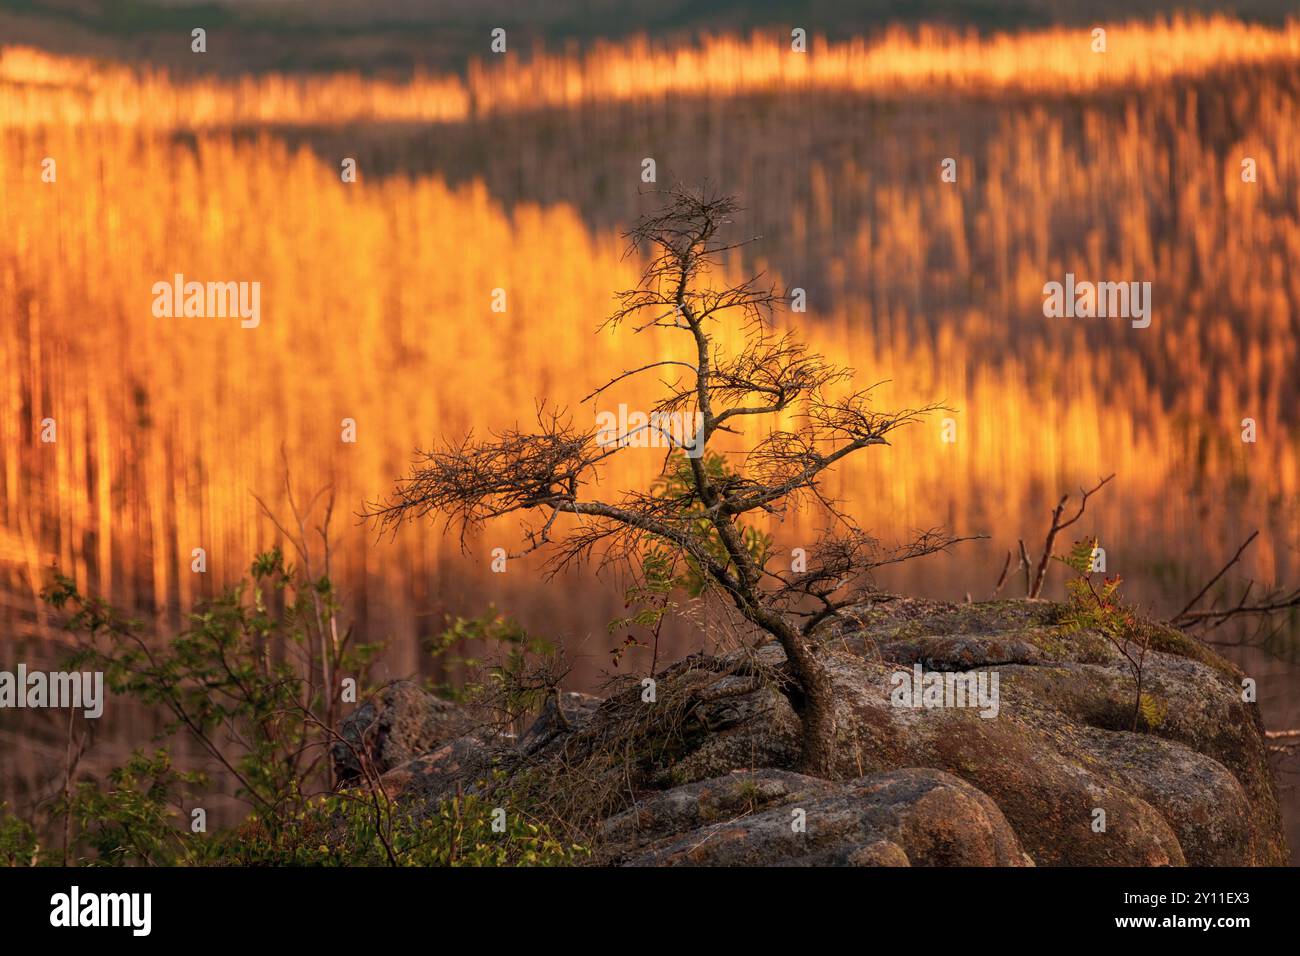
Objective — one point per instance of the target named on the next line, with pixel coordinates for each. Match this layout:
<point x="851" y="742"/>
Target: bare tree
<point x="699" y="517"/>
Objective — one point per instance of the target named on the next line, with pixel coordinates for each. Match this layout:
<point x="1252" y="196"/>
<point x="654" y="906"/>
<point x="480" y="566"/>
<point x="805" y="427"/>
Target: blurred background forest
<point x="518" y="171"/>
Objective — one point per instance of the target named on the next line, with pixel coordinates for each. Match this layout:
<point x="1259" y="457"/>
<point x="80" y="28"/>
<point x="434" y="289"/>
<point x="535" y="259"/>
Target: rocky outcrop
<point x="458" y="764"/>
<point x="1056" y="774"/>
<point x="561" y="714"/>
<point x="1191" y="785"/>
<point x="401" y="722"/>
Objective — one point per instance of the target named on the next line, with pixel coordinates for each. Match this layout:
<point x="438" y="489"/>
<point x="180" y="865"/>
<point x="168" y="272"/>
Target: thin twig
<point x="1222" y="571"/>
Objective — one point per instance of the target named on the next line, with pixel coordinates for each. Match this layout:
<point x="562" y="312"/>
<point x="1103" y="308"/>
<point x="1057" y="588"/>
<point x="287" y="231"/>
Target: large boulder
<point x="912" y="817"/>
<point x="1191" y="782"/>
<point x="401" y="722"/>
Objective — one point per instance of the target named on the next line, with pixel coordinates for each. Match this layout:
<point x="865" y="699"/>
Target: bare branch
<point x="1222" y="571"/>
<point x="1058" y="526"/>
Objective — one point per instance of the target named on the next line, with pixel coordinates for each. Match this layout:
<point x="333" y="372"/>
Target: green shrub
<point x="18" y="843"/>
<point x="360" y="828"/>
<point x="255" y="680"/>
<point x="132" y="819"/>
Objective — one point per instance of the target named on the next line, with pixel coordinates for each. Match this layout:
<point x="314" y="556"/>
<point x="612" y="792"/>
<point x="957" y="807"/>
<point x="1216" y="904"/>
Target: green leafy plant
<point x="677" y="483"/>
<point x="1094" y="604"/>
<point x="341" y="830"/>
<point x="19" y="845"/>
<point x="232" y="682"/>
<point x="132" y="820"/>
<point x="649" y="601"/>
<point x="255" y="679"/>
<point x="249" y="669"/>
<point x="513" y="672"/>
<point x="664" y="569"/>
<point x="1154" y="709"/>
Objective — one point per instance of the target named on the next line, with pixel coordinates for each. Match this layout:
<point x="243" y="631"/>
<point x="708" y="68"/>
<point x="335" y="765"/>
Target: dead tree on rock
<point x="808" y="417"/>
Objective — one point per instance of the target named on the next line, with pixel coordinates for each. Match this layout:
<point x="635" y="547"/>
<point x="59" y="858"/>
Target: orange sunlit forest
<point x="520" y="173"/>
